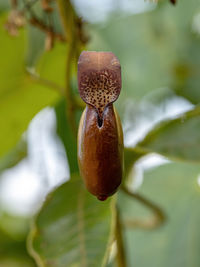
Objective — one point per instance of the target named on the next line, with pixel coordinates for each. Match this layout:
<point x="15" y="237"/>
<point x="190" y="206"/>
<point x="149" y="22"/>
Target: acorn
<point x="100" y="137"/>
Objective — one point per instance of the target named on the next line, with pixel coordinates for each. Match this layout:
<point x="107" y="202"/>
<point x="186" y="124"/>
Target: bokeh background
<point x="158" y="45"/>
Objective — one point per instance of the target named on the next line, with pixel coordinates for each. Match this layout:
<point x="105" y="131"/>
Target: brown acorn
<point x="100" y="137"/>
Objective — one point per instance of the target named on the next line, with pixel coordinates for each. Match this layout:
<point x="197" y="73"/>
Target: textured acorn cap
<point x="99" y="78"/>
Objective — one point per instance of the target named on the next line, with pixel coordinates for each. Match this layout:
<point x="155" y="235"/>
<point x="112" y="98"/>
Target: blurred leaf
<point x="18" y="108"/>
<point x="177" y="244"/>
<point x="4" y="6"/>
<point x="35" y="46"/>
<point x="52" y="64"/>
<point x="12" y="70"/>
<point x="67" y="136"/>
<point x="13" y="231"/>
<point x="15" y="156"/>
<point x="21" y="98"/>
<point x="16" y="262"/>
<point x="14" y="226"/>
<point x="72" y="228"/>
<point x="151" y="46"/>
<point x="13" y="253"/>
<point x="178" y="138"/>
<point x="130" y="157"/>
<point x="51" y="19"/>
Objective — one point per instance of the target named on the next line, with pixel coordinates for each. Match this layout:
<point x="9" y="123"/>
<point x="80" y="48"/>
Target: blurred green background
<point x="158" y="45"/>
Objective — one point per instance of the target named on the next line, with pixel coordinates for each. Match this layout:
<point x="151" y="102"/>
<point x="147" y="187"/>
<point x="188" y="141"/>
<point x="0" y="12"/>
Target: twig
<point x="28" y="5"/>
<point x="158" y="219"/>
<point x="14" y="4"/>
<point x="67" y="15"/>
<point x="68" y="20"/>
<point x="36" y="22"/>
<point x="121" y="257"/>
<point x="43" y="27"/>
<point x="69" y="94"/>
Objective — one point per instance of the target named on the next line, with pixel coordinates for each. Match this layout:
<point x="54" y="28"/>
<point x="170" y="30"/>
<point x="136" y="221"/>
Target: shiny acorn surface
<point x="100" y="152"/>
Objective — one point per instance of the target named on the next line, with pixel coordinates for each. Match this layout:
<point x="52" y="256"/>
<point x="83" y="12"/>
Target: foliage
<point x="159" y="53"/>
<point x="69" y="235"/>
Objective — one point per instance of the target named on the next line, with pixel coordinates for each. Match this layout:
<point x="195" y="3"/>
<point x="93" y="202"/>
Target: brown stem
<point x="71" y="105"/>
<point x="121" y="257"/>
<point x="43" y="27"/>
<point x="67" y="15"/>
<point x="158" y="218"/>
<point x="14" y="4"/>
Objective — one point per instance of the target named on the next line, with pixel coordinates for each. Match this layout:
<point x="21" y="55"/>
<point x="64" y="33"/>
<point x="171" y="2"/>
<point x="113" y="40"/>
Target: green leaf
<point x="130" y="157"/>
<point x="20" y="97"/>
<point x="161" y="38"/>
<point x="13" y="253"/>
<point x="17" y="108"/>
<point x="177" y="139"/>
<point x="52" y="64"/>
<point x="4" y="6"/>
<point x="15" y="156"/>
<point x="16" y="261"/>
<point x="13" y="231"/>
<point x="175" y="189"/>
<point x="35" y="45"/>
<point x="11" y="71"/>
<point x="72" y="228"/>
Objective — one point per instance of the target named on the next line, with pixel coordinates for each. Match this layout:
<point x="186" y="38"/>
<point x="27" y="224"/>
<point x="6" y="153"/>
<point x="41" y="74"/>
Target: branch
<point x="43" y="27"/>
<point x="158" y="218"/>
<point x="14" y="4"/>
<point x="67" y="15"/>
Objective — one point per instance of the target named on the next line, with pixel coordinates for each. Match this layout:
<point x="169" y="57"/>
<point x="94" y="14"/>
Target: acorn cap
<point x="99" y="78"/>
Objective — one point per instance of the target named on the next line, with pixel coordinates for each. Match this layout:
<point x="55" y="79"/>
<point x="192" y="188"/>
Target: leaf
<point x="130" y="157"/>
<point x="13" y="231"/>
<point x="21" y="98"/>
<point x="4" y="6"/>
<point x="162" y="38"/>
<point x="52" y="64"/>
<point x="175" y="189"/>
<point x="11" y="71"/>
<point x="36" y="37"/>
<point x="15" y="156"/>
<point x="35" y="46"/>
<point x="17" y="108"/>
<point x="177" y="139"/>
<point x="13" y="253"/>
<point x="72" y="228"/>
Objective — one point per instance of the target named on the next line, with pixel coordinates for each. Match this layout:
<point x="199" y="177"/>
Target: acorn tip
<point x="102" y="197"/>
